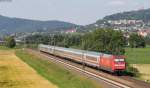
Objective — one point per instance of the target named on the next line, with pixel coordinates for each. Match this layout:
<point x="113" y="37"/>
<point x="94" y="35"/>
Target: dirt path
<point x="14" y="73"/>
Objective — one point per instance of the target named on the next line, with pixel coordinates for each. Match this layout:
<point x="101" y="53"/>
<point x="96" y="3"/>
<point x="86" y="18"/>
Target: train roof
<point x="77" y="51"/>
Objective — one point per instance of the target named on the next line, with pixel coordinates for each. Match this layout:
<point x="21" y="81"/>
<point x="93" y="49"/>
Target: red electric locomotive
<point x="112" y="63"/>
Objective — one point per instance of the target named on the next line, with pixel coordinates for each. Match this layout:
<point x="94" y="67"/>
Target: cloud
<point x="116" y="3"/>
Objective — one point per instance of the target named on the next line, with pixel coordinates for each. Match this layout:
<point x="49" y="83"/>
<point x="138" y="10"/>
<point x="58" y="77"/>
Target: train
<point x="106" y="62"/>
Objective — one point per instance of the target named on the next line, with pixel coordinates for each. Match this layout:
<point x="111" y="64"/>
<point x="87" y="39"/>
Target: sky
<point x="80" y="12"/>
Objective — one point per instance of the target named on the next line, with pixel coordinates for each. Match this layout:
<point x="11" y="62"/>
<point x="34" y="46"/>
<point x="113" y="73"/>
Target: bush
<point x="131" y="71"/>
<point x="10" y="42"/>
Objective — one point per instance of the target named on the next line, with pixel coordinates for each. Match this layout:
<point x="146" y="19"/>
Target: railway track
<point x="114" y="81"/>
<point x="118" y="85"/>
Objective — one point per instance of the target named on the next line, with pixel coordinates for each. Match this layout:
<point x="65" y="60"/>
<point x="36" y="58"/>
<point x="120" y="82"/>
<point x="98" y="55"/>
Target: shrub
<point x="10" y="42"/>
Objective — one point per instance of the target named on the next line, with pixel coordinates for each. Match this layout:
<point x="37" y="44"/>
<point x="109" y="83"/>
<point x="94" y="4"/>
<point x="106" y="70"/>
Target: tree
<point x="147" y="39"/>
<point x="10" y="42"/>
<point x="104" y="40"/>
<point x="136" y="41"/>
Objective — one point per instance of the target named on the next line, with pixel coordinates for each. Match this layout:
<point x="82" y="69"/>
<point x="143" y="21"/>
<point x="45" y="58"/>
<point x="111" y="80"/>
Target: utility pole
<point x="49" y="38"/>
<point x="24" y="42"/>
<point x="83" y="57"/>
<point x="54" y="42"/>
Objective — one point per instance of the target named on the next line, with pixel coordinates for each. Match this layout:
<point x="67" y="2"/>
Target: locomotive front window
<point x="119" y="60"/>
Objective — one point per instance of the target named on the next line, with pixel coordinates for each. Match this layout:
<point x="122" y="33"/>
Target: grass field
<point x="55" y="73"/>
<point x="140" y="59"/>
<point x="144" y="70"/>
<point x="4" y="48"/>
<point x="138" y="55"/>
<point x="14" y="73"/>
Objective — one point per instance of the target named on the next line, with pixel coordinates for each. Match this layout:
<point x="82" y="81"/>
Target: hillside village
<point x="127" y="26"/>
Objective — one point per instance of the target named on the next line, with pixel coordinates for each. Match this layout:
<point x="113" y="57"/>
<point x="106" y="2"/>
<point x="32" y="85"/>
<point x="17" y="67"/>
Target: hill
<point x="143" y="14"/>
<point x="11" y="25"/>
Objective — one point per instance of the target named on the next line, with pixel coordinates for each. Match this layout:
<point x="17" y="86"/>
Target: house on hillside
<point x="144" y="32"/>
<point x="70" y="31"/>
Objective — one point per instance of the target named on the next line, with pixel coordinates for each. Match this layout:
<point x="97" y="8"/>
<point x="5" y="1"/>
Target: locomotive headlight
<point x="116" y="60"/>
<point x="122" y="60"/>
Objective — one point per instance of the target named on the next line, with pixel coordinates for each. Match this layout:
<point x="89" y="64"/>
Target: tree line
<point x="100" y="40"/>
